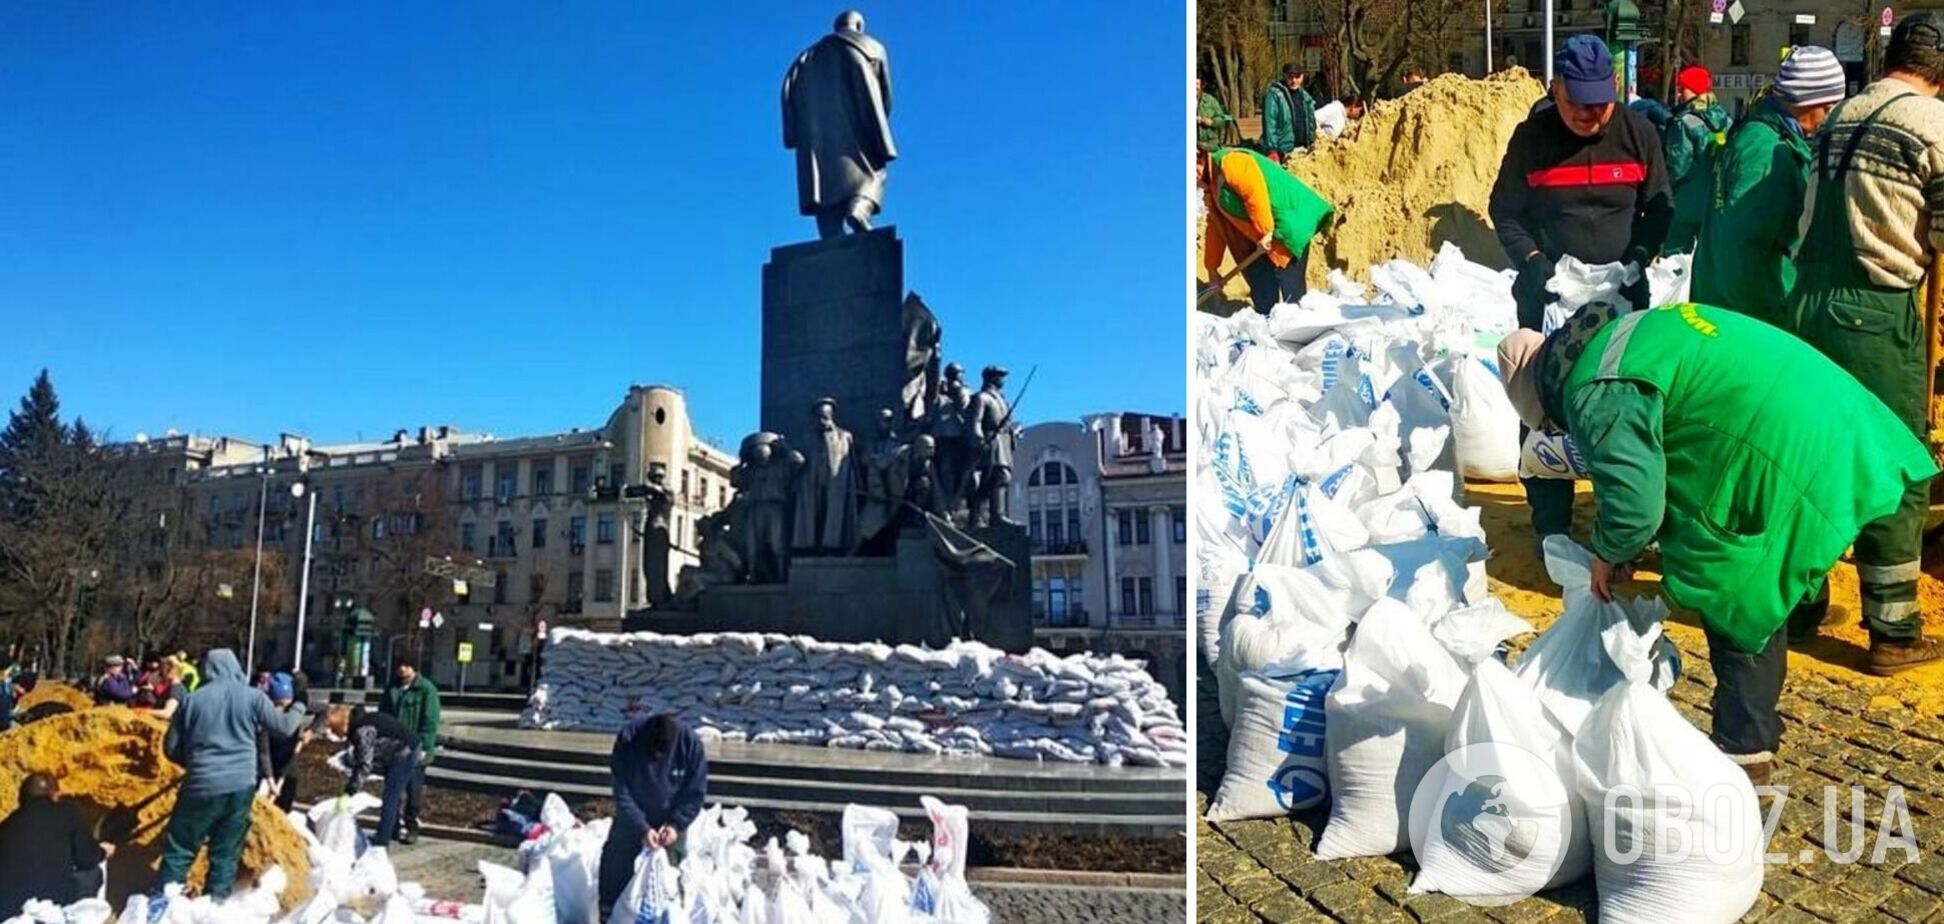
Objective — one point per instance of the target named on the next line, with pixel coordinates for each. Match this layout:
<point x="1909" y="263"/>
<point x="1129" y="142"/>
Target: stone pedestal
<point x="832" y="327"/>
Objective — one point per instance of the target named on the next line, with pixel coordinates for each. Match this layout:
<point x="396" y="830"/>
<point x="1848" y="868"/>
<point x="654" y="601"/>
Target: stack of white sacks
<point x="722" y="879"/>
<point x="966" y="698"/>
<point x="1358" y="658"/>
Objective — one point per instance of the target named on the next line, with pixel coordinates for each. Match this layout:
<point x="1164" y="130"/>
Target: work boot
<point x="1894" y="656"/>
<point x="407" y="833"/>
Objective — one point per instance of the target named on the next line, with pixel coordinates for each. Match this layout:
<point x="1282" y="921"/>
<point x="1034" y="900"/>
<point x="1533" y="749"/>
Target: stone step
<point x="828" y="765"/>
<point x="731" y="786"/>
<point x="1165" y="825"/>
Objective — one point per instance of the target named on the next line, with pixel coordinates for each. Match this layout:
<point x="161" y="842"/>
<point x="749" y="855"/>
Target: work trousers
<point x="401" y="776"/>
<point x="1551" y="500"/>
<point x="1270" y="286"/>
<point x="1747" y="687"/>
<point x="221" y="822"/>
<point x="1877" y="335"/>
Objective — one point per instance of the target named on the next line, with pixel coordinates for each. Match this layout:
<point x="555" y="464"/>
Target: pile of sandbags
<point x="1359" y="661"/>
<point x="966" y="698"/>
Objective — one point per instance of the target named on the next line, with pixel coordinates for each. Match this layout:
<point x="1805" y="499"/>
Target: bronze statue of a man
<point x="826" y="496"/>
<point x="990" y="419"/>
<point x="837" y="117"/>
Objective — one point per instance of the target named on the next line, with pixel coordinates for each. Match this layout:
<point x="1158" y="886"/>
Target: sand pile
<point x="55" y="692"/>
<point x="1417" y="171"/>
<point x="109" y="761"/>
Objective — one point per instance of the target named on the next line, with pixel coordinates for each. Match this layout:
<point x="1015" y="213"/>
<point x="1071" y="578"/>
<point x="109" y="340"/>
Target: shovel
<point x="1219" y="284"/>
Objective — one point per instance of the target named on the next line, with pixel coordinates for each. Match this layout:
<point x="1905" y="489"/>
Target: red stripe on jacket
<point x="1624" y="173"/>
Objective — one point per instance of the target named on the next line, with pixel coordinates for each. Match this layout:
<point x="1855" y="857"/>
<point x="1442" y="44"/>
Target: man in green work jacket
<point x="1710" y="432"/>
<point x="414" y="702"/>
<point x="1747" y="252"/>
<point x="1288" y="115"/>
<point x="1875" y="221"/>
<point x="1693" y="136"/>
<point x="1212" y="122"/>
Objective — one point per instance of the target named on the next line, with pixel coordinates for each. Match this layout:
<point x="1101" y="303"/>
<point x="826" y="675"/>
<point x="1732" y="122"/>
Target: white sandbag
<point x="1484" y="424"/>
<point x="1499" y="818"/>
<point x="650" y="896"/>
<point x="1331" y="118"/>
<point x="1567" y="665"/>
<point x="1675" y="823"/>
<point x="1386" y="719"/>
<point x="1474" y="633"/>
<point x="948" y="899"/>
<point x="1670" y="279"/>
<point x="1276" y="760"/>
<point x="1551" y="455"/>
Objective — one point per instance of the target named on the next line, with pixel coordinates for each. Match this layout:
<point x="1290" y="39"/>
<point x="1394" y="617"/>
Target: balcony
<point x="497" y="548"/>
<point x="1148" y="622"/>
<point x="1074" y="617"/>
<point x="1069" y="548"/>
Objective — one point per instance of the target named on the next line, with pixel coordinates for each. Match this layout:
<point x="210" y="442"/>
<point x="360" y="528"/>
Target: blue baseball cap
<point x="282" y="687"/>
<point x="1586" y="67"/>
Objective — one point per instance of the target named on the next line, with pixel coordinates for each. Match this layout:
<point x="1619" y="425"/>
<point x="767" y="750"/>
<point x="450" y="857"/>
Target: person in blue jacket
<point x="661" y="776"/>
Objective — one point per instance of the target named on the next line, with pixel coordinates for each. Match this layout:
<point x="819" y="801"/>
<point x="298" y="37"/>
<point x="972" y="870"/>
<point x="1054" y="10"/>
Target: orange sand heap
<point x="56" y="692"/>
<point x="110" y="761"/>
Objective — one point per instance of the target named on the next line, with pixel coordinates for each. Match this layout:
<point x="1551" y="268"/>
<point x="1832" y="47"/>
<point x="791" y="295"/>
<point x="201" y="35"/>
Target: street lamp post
<point x="1548" y="53"/>
<point x="297" y="489"/>
<point x="1488" y="38"/>
<point x="256" y="578"/>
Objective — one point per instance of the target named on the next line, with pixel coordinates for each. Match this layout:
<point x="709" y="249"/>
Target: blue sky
<point x="345" y="218"/>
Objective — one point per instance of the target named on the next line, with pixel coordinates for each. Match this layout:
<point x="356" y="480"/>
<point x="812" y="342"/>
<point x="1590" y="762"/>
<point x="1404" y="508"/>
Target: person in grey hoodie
<point x="214" y="737"/>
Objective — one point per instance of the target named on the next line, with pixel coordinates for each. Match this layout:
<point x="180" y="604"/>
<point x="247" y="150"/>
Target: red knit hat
<point x="1695" y="79"/>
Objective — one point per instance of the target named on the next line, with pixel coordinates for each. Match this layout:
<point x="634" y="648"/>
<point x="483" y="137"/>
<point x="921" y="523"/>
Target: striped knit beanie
<point x="1810" y="76"/>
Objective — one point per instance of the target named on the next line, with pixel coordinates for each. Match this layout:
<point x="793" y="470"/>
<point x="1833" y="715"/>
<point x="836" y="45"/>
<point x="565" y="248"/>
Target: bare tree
<point x="1369" y="43"/>
<point x="1233" y="47"/>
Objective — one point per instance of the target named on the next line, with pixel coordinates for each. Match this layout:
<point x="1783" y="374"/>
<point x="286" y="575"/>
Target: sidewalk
<point x="1842" y="729"/>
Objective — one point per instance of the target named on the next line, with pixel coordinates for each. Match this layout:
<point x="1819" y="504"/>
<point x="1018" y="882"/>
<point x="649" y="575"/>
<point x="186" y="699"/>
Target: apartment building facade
<point x="459" y="547"/>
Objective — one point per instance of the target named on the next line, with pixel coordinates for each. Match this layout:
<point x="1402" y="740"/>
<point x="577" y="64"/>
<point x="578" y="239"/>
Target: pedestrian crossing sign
<point x="465" y="652"/>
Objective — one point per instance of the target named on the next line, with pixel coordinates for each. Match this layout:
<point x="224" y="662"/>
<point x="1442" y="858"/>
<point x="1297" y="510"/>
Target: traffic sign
<point x="1888" y="17"/>
<point x="465" y="652"/>
<point x="542" y="631"/>
<point x="1720" y="6"/>
<point x="225" y="591"/>
<point x="1736" y="11"/>
<point x="438" y="620"/>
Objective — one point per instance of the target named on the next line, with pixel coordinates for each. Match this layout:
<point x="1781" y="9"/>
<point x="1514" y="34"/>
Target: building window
<point x="467" y="536"/>
<point x="1145" y="587"/>
<point x="685" y="484"/>
<point x="604" y="585"/>
<point x="1056" y="601"/>
<point x="337" y="497"/>
<point x="542" y="481"/>
<point x="539" y="534"/>
<point x="1128" y="597"/>
<point x="1738" y="44"/>
<point x="576" y="588"/>
<point x="509" y="485"/>
<point x="1178" y="519"/>
<point x="1798" y="34"/>
<point x="499" y="587"/>
<point x="722" y="496"/>
<point x="578" y="479"/>
<point x="1181" y="594"/>
<point x="469" y="483"/>
<point x="604" y="529"/>
<point x="617" y="475"/>
<point x="1035" y="523"/>
<point x="536" y="588"/>
<point x="378" y="527"/>
<point x="1073" y="524"/>
<point x="1143" y="527"/>
<point x="1124" y="520"/>
<point x="503" y="538"/>
<point x="577" y="532"/>
<point x="320" y="532"/>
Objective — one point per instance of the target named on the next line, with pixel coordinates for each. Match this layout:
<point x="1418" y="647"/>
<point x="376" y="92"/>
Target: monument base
<point x="901" y="599"/>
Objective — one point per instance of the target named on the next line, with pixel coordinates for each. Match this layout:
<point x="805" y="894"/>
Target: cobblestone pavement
<point x="1835" y="735"/>
<point x="449" y="869"/>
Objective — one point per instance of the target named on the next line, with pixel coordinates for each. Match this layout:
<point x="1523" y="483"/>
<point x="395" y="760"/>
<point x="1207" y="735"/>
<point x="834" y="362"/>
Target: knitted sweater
<point x="1895" y="184"/>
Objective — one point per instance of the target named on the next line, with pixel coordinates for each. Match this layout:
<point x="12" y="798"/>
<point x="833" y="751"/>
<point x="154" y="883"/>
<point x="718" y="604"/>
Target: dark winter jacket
<point x="376" y="741"/>
<point x="115" y="689"/>
<point x="214" y="735"/>
<point x="42" y="845"/>
<point x="652" y="790"/>
<point x="1596" y="199"/>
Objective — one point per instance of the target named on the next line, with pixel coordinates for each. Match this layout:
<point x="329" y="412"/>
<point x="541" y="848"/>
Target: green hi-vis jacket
<point x="1693" y="138"/>
<point x="1750" y="456"/>
<point x="1746" y="256"/>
